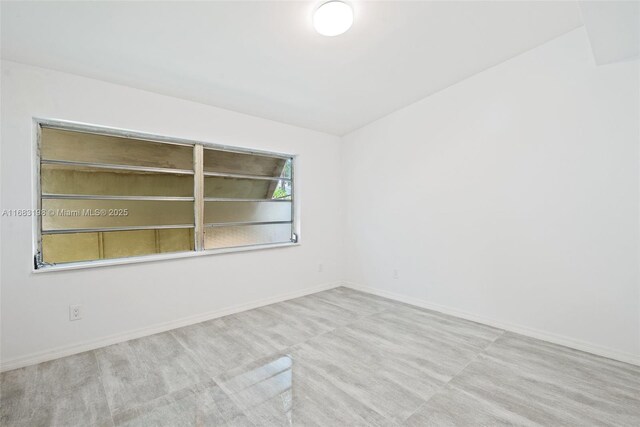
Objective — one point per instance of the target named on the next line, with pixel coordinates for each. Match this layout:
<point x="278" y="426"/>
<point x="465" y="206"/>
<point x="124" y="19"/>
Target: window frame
<point x="199" y="199"/>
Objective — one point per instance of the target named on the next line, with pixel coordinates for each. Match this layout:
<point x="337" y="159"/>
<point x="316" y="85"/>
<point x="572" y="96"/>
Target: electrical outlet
<point x="75" y="312"/>
<point x="395" y="274"/>
<point x="320" y="268"/>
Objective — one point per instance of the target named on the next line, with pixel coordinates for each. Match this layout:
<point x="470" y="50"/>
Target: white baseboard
<point x="43" y="356"/>
<point x="68" y="350"/>
<point x="507" y="326"/>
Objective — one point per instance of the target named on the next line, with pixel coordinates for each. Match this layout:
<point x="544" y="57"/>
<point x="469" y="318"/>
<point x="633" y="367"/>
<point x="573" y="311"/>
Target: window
<point x="108" y="194"/>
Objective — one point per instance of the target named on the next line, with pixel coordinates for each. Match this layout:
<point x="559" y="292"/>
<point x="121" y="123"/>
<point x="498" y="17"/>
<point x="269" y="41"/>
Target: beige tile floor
<point x="335" y="358"/>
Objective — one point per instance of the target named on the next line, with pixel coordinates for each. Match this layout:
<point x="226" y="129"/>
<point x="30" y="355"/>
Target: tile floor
<point x="335" y="358"/>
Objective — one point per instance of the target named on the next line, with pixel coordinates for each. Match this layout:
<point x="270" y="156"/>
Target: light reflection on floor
<point x="269" y="383"/>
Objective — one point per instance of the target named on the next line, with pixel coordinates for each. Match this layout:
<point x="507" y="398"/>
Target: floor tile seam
<point x="192" y="356"/>
<point x="234" y="399"/>
<point x="213" y="377"/>
<point x="457" y="374"/>
<point x="446" y="320"/>
<point x="526" y="372"/>
<point x="573" y="353"/>
<point x="183" y="345"/>
<point x="358" y="318"/>
<point x="286" y="350"/>
<point x="232" y="395"/>
<point x="454" y="340"/>
<point x="424" y="402"/>
<point x="484" y="400"/>
<point x="513" y="364"/>
<point x="338" y="386"/>
<point x="199" y="363"/>
<point x="150" y="401"/>
<point x="257" y="382"/>
<point x="526" y="404"/>
<point x="309" y="338"/>
<point x="334" y="328"/>
<point x="508" y="363"/>
<point x="473" y="359"/>
<point x="64" y="391"/>
<point x="482" y="351"/>
<point x="347" y="309"/>
<point x="104" y="389"/>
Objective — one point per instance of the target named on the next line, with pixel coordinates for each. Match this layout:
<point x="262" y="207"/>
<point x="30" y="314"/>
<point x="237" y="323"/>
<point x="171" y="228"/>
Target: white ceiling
<point x="264" y="58"/>
<point x="613" y="28"/>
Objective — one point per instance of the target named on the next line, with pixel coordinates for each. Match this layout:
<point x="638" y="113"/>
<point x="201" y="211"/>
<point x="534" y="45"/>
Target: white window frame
<point x="38" y="266"/>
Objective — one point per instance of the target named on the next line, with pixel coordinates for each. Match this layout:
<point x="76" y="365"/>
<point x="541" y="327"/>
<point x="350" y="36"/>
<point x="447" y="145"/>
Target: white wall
<point x="140" y="298"/>
<point x="510" y="198"/>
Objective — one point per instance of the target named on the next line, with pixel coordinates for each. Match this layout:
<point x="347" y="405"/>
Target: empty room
<point x="319" y="213"/>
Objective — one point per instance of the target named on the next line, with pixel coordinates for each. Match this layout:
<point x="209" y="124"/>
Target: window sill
<point x="157" y="257"/>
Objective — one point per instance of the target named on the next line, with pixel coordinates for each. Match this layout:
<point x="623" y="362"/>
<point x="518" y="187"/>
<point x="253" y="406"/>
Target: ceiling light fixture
<point x="333" y="18"/>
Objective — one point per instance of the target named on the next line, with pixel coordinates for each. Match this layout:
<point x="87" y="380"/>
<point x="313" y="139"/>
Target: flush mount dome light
<point x="333" y="18"/>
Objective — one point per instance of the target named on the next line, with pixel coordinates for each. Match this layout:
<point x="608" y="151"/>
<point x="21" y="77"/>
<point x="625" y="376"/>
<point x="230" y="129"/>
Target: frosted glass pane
<point x="121" y="244"/>
<point x="71" y="214"/>
<point x="74" y="247"/>
<point x="60" y="248"/>
<point x="245" y="164"/>
<point x="221" y="212"/>
<point x="240" y="188"/>
<point x="59" y="179"/>
<point x="244" y="235"/>
<point x="56" y="144"/>
<point x="175" y="239"/>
